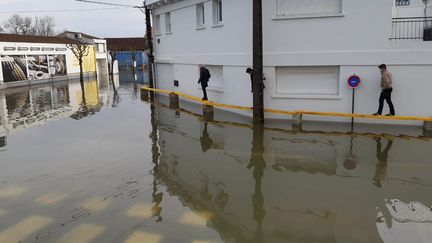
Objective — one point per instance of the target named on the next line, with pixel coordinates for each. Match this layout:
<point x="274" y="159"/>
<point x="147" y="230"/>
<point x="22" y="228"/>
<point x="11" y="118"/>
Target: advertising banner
<point x="57" y="65"/>
<point x="14" y="68"/>
<point x="38" y="67"/>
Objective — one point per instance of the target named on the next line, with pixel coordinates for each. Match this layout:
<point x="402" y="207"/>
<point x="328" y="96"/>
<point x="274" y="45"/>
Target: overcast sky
<point x="103" y="23"/>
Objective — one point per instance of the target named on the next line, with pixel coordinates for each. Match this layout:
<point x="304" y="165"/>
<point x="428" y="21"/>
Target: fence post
<point x="427" y="129"/>
<point x="208" y="112"/>
<point x="174" y="101"/>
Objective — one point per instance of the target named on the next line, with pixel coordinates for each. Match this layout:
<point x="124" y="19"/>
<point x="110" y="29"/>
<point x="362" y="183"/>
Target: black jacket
<point x="204" y="76"/>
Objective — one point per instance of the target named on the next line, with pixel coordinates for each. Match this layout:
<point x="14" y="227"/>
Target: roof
<point x="35" y="39"/>
<point x="125" y="44"/>
<point x="82" y="34"/>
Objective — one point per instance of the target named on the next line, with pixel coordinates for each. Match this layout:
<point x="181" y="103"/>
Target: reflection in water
<point x="308" y="193"/>
<point x="157" y="195"/>
<point x="206" y="141"/>
<point x="381" y="167"/>
<point x="258" y="164"/>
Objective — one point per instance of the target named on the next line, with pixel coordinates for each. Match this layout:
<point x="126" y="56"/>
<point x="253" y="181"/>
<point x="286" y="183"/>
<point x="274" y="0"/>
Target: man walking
<point x="204" y="79"/>
<point x="386" y="90"/>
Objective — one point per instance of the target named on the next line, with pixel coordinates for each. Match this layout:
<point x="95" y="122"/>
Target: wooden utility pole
<point x="258" y="94"/>
<point x="149" y="36"/>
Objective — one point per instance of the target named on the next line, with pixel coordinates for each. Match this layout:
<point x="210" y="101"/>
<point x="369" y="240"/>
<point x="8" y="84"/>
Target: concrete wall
<point x="356" y="40"/>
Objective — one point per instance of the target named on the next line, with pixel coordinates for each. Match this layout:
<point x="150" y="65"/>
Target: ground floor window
<point x="217" y="79"/>
<point x="293" y="8"/>
<point x="307" y="80"/>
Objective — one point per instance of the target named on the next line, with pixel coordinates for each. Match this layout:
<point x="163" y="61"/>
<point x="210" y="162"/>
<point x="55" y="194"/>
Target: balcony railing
<point x="411" y="28"/>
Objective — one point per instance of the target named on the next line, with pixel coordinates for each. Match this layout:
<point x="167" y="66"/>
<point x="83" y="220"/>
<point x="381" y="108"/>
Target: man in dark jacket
<point x="204" y="79"/>
<point x="250" y="72"/>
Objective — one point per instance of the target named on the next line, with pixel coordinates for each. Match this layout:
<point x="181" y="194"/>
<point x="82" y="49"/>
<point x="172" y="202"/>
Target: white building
<point x="310" y="49"/>
<point x="36" y="59"/>
<point x="101" y="51"/>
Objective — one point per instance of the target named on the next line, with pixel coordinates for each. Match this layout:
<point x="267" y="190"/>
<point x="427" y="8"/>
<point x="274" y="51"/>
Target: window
<point x="200" y="15"/>
<point x="157" y="25"/>
<point x="308" y="80"/>
<point x="101" y="47"/>
<point x="293" y="8"/>
<point x="217" y="12"/>
<point x="402" y="2"/>
<point x="216" y="82"/>
<point x="168" y="22"/>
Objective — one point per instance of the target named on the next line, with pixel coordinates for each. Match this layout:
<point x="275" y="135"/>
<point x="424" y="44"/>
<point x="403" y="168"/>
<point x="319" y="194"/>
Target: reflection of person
<point x="250" y="72"/>
<point x="204" y="79"/>
<point x="381" y="167"/>
<point x="386" y="90"/>
<point x="206" y="141"/>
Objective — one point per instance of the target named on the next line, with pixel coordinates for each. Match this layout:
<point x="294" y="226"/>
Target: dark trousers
<point x="386" y="95"/>
<point x="204" y="87"/>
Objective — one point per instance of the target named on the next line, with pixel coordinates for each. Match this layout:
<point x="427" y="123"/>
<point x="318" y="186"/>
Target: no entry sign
<point x="354" y="81"/>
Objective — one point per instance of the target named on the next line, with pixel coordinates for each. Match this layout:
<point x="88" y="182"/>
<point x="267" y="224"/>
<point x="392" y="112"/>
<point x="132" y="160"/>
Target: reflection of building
<point x="37" y="59"/>
<point x="302" y="191"/>
<point x="310" y="50"/>
<point x="24" y="107"/>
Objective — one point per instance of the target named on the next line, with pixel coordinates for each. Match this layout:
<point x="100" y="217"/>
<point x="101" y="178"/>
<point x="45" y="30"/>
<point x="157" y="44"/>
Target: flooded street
<point x="120" y="169"/>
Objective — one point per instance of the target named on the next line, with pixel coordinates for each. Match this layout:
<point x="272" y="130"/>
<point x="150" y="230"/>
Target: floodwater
<point x="120" y="169"/>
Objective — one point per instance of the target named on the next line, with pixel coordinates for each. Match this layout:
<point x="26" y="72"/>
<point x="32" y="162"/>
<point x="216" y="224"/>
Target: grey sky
<point x="104" y="23"/>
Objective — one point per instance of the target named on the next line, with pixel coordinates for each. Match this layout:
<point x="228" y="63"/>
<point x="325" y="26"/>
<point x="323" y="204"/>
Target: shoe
<point x="376" y="114"/>
<point x="390" y="114"/>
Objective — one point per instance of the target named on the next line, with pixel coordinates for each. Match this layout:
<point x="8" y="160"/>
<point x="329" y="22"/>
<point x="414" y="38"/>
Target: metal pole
<point x="258" y="96"/>
<point x="352" y="109"/>
<point x="149" y="43"/>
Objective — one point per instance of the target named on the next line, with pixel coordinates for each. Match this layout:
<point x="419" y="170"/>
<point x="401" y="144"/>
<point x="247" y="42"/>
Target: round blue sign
<point x="354" y="81"/>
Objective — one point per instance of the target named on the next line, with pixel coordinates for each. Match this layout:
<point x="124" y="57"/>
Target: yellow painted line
<point x="297" y="112"/>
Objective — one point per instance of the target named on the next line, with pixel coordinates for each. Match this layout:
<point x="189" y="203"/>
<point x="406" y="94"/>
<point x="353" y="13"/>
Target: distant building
<point x="310" y="50"/>
<point x="100" y="46"/>
<point x="127" y="50"/>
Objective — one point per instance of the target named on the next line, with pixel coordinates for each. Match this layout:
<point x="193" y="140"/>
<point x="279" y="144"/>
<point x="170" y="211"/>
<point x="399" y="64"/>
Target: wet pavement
<point x="119" y="169"/>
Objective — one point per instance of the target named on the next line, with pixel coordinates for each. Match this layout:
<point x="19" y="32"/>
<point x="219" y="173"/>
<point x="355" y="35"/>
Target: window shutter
<point x="308" y="7"/>
<point x="309" y="80"/>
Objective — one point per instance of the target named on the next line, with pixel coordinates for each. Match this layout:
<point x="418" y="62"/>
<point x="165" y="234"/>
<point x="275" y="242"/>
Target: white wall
<point x="357" y="41"/>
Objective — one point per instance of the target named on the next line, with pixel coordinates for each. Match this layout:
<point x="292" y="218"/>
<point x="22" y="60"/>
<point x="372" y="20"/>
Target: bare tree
<point x="1" y="30"/>
<point x="80" y="51"/>
<point x="17" y="24"/>
<point x="44" y="26"/>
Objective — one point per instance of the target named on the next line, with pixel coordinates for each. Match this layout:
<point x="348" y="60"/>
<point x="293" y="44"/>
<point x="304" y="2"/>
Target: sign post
<point x="353" y="82"/>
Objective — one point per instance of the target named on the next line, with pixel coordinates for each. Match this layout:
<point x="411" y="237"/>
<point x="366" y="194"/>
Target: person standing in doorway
<point x="386" y="90"/>
<point x="204" y="79"/>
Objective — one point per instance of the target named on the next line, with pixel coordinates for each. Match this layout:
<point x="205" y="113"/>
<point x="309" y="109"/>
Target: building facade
<point x="311" y="48"/>
<point x="34" y="59"/>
